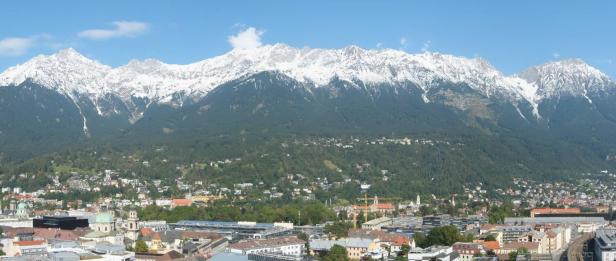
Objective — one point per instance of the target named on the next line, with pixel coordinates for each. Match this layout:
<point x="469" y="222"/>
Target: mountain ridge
<point x="73" y="74"/>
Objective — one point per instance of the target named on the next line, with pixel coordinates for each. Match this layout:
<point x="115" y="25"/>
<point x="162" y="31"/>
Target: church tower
<point x="132" y="224"/>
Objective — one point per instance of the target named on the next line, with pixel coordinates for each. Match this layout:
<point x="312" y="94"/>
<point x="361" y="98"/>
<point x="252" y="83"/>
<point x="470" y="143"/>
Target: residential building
<point x="288" y="245"/>
<point x="26" y="247"/>
<point x="532" y="247"/>
<point x="468" y="250"/>
<point x="356" y="247"/>
<point x="393" y="240"/>
<point x="437" y="253"/>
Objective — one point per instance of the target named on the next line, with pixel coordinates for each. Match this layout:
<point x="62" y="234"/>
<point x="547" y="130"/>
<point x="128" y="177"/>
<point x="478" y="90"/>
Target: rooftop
<point x="265" y="243"/>
<point x="606" y="237"/>
<point x="539" y="211"/>
<point x="29" y="243"/>
<point x="324" y="244"/>
<point x="554" y="220"/>
<point x="378" y="221"/>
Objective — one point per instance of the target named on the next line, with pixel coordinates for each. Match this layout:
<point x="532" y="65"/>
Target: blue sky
<point x="512" y="35"/>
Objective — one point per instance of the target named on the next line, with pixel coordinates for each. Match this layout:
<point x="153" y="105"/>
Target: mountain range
<point x="53" y="102"/>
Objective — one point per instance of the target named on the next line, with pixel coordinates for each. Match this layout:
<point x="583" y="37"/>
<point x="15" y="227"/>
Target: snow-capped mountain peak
<point x="74" y="74"/>
<point x="567" y="77"/>
<point x="66" y="71"/>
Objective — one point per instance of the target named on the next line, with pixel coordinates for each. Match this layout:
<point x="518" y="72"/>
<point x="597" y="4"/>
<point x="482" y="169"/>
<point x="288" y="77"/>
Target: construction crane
<point x="375" y="200"/>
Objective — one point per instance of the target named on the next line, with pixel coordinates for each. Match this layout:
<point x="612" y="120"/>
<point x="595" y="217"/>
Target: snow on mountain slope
<point x="567" y="77"/>
<point x="70" y="73"/>
<point x="66" y="71"/>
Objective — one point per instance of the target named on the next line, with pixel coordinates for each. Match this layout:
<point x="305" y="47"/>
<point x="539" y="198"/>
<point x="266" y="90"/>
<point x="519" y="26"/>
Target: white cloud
<point x="379" y="45"/>
<point x="248" y="39"/>
<point x="121" y="29"/>
<point x="426" y="46"/>
<point x="556" y="55"/>
<point x="15" y="46"/>
<point x="403" y="42"/>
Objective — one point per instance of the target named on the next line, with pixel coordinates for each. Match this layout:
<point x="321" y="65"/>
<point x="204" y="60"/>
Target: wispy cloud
<point x="246" y="39"/>
<point x="121" y="29"/>
<point x="379" y="45"/>
<point x="403" y="42"/>
<point x="426" y="46"/>
<point x="16" y="46"/>
<point x="555" y="55"/>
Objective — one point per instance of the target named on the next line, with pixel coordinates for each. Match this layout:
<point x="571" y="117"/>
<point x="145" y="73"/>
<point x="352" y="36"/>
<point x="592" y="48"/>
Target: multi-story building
<point x="437" y="220"/>
<point x="356" y="247"/>
<point x="438" y="253"/>
<point x="288" y="246"/>
<point x="26" y="247"/>
<point x="605" y="244"/>
<point x="468" y="251"/>
<point x="512" y="233"/>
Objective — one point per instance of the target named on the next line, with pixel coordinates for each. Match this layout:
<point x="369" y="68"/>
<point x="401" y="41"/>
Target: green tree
<point x="338" y="229"/>
<point x="336" y="253"/>
<point x="404" y="250"/>
<point x="520" y="251"/>
<point x="445" y="236"/>
<point x="141" y="247"/>
<point x="425" y="210"/>
<point x="498" y="214"/>
<point x="304" y="237"/>
<point x="421" y="240"/>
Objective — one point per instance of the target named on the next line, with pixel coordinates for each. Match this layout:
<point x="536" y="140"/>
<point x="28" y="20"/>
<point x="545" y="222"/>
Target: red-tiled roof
<point x="29" y="242"/>
<point x="396" y="239"/>
<point x="536" y="211"/>
<point x="385" y="206"/>
<point x="181" y="202"/>
<point x="51" y="233"/>
<point x="491" y="245"/>
<point x="146" y="231"/>
<point x="24" y="196"/>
